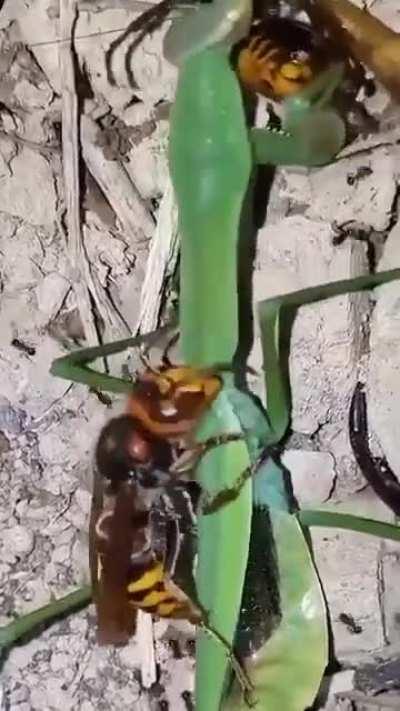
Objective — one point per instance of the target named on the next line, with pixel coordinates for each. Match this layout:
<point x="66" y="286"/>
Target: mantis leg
<point x="145" y="348"/>
<point x="300" y="641"/>
<point x="210" y="504"/>
<point x="276" y="317"/>
<point x="317" y="95"/>
<point x="241" y="677"/>
<point x="312" y="132"/>
<point x="219" y="24"/>
<point x="75" y="367"/>
<point x="23" y="625"/>
<point x="348" y="522"/>
<point x="190" y="458"/>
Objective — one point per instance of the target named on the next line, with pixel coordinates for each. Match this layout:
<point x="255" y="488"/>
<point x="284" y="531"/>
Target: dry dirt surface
<point x="88" y="244"/>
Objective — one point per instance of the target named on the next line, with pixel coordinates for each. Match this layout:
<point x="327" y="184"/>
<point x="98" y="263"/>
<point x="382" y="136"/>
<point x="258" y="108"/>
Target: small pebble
<point x="18" y="540"/>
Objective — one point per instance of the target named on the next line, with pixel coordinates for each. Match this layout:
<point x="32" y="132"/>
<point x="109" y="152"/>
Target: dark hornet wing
<point x="111" y="530"/>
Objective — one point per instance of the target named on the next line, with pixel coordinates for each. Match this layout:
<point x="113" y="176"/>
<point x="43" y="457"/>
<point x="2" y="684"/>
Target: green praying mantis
<point x="212" y="154"/>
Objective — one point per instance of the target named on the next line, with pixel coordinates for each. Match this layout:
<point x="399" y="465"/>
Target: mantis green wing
<point x="287" y="670"/>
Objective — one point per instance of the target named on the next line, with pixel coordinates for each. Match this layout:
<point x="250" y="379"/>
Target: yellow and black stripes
<point x="155" y="585"/>
<point x="148" y="591"/>
<point x="154" y="593"/>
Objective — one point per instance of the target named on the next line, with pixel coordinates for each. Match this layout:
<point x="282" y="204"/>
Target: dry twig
<point x="70" y="155"/>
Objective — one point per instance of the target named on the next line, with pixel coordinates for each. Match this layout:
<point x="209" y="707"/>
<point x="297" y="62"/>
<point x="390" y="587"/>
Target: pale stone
<point x="340" y="682"/>
<point x="312" y="475"/>
<point x="347" y="564"/>
<point x="390" y="571"/>
<point x="368" y="202"/>
<point x="46" y="31"/>
<point x="18" y="540"/>
<point x="19" y="194"/>
<point x="39" y="595"/>
<point x="87" y="706"/>
<point x="79" y="559"/>
<point x="18" y="696"/>
<point x="129" y="655"/>
<point x="61" y="554"/>
<point x="298" y="253"/>
<point x="31" y="96"/>
<point x="51" y="293"/>
<point x="20" y="657"/>
<point x="83" y="499"/>
<point x="59" y="661"/>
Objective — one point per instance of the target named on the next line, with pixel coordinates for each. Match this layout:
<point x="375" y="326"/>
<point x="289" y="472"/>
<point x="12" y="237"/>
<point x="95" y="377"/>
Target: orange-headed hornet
<point x="143" y="530"/>
<point x="162" y="412"/>
<point x="280" y="57"/>
<point x="143" y="516"/>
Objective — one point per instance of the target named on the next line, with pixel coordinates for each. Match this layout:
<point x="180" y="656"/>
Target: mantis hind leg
<point x="273" y="314"/>
<point x="240" y="673"/>
<point x="75" y="366"/>
<point x="312" y="133"/>
<point x="319" y="93"/>
<point x="211" y="503"/>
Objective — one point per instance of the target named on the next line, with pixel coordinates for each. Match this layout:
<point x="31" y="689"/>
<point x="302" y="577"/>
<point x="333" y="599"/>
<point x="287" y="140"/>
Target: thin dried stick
<point x="161" y="262"/>
<point x="70" y="156"/>
<point x="111" y="176"/>
<point x="86" y="286"/>
<point x="99" y="5"/>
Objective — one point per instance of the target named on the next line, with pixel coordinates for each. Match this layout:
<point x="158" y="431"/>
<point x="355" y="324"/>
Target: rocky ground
<point x="321" y="225"/>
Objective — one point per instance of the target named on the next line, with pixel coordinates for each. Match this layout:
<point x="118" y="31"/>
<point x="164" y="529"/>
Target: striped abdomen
<point x="154" y="592"/>
<point x="136" y="552"/>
